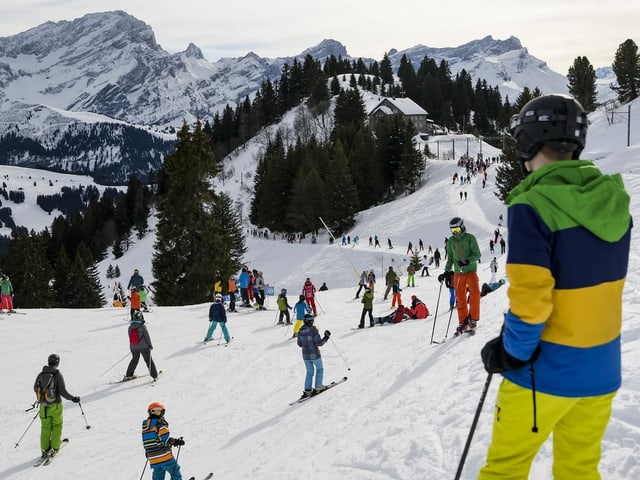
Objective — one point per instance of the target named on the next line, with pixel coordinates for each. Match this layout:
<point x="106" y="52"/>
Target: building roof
<point x="405" y="105"/>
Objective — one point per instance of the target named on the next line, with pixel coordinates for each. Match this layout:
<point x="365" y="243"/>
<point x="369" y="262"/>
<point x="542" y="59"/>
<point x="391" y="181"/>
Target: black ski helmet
<point x="558" y="121"/>
<point x="53" y="360"/>
<point x="457" y="222"/>
<point x="308" y="318"/>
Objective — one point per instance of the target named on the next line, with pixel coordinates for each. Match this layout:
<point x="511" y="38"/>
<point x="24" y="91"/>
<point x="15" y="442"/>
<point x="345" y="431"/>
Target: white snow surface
<point x="405" y="412"/>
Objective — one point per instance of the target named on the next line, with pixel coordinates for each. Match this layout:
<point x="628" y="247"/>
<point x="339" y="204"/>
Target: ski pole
<point x="219" y="341"/>
<point x="113" y="365"/>
<point x="340" y="354"/>
<point x="28" y="427"/>
<point x="451" y="311"/>
<point x="322" y="309"/>
<point x="144" y="468"/>
<point x="84" y="416"/>
<point x="435" y="316"/>
<point x="473" y="426"/>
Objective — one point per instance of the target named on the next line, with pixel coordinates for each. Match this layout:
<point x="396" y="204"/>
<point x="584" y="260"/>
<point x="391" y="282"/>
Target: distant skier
<point x="301" y="309"/>
<point x="367" y="308"/>
<point x="283" y="307"/>
<point x="140" y="344"/>
<point x="217" y="316"/>
<point x="362" y="282"/>
<point x="6" y="294"/>
<point x="136" y="280"/>
<point x="309" y="292"/>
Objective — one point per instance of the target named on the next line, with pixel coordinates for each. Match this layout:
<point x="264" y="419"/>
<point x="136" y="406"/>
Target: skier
<point x="389" y="278"/>
<point x="367" y="307"/>
<point x="493" y="266"/>
<point x="134" y="301"/>
<point x="401" y="313"/>
<point x="463" y="256"/>
<point x="301" y="309"/>
<point x="136" y="280"/>
<point x="418" y="308"/>
<point x="309" y="340"/>
<point x="371" y="278"/>
<point x="389" y="243"/>
<point x="140" y="344"/>
<point x="309" y="292"/>
<point x="143" y="298"/>
<point x="259" y="289"/>
<point x="283" y="307"/>
<point x="503" y="246"/>
<point x="409" y="248"/>
<point x="411" y="275"/>
<point x="217" y="316"/>
<point x="377" y="242"/>
<point x="243" y="283"/>
<point x="6" y="294"/>
<point x="232" y="293"/>
<point x="396" y="297"/>
<point x="436" y="258"/>
<point x="50" y="412"/>
<point x="362" y="282"/>
<point x="157" y="442"/>
<point x="565" y="310"/>
<point x="217" y="283"/>
<point x="425" y="266"/>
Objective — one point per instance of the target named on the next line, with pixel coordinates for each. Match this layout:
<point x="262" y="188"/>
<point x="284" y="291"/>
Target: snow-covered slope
<point x="404" y="413"/>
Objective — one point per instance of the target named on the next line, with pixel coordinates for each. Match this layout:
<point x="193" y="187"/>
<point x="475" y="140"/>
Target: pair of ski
<point x="209" y="475"/>
<point x="331" y="385"/>
<point x="48" y="458"/>
<point x="225" y="344"/>
<point x="135" y="377"/>
<point x="444" y="340"/>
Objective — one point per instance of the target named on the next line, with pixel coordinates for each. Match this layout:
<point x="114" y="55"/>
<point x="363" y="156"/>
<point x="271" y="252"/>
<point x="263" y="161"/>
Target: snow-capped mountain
<point x="110" y="66"/>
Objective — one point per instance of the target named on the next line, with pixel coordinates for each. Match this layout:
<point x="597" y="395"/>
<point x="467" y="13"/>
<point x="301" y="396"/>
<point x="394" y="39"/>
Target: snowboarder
<point x="571" y="339"/>
<point x="140" y="344"/>
<point x="217" y="316"/>
<point x="50" y="412"/>
<point x="157" y="442"/>
<point x="463" y="256"/>
<point x="309" y="340"/>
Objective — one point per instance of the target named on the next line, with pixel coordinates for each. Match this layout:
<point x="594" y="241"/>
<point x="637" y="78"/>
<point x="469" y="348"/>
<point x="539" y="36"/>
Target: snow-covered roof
<point x="404" y="105"/>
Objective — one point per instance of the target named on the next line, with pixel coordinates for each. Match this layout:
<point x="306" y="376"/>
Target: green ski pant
<point x="50" y="426"/>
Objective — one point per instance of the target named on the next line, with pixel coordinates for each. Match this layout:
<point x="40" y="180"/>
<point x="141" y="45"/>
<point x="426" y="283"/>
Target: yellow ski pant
<point x="577" y="424"/>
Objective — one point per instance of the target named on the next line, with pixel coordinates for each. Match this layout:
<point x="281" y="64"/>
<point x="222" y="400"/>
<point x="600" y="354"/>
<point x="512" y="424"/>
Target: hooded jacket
<point x="144" y="340"/>
<point x="569" y="236"/>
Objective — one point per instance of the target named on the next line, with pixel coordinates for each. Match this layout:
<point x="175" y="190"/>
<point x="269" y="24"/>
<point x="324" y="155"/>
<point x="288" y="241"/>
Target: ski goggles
<point x="456" y="229"/>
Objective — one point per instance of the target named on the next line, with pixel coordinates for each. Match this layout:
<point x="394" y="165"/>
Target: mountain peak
<point x="193" y="51"/>
<point x="326" y="48"/>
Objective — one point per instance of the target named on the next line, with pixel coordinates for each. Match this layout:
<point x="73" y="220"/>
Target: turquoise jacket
<point x="569" y="231"/>
<point x="5" y="287"/>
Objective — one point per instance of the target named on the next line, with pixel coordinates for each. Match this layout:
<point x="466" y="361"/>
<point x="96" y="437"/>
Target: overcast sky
<point x="554" y="31"/>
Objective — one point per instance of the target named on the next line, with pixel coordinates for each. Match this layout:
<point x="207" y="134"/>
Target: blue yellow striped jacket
<point x="569" y="230"/>
<point x="155" y="435"/>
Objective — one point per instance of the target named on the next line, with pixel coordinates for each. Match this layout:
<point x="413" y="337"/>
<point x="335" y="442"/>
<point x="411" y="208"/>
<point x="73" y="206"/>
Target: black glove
<point x="75" y="399"/>
<point x="176" y="442"/>
<point x="442" y="276"/>
<point x="463" y="263"/>
<point x="327" y="333"/>
<point x="497" y="360"/>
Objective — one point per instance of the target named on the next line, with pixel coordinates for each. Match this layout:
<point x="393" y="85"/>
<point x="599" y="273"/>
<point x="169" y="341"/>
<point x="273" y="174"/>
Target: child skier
<point x="283" y="307"/>
<point x="309" y="340"/>
<point x="301" y="308"/>
<point x="157" y="442"/>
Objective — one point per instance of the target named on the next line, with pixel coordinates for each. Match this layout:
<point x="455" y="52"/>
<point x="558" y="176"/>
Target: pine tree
<point x="416" y="261"/>
<point x="340" y="192"/>
<point x="626" y="66"/>
<point x="582" y="83"/>
<point x="509" y="173"/>
<point x="191" y="237"/>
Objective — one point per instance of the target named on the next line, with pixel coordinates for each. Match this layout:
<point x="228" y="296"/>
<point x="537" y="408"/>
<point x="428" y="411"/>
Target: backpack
<point x="134" y="336"/>
<point x="45" y="388"/>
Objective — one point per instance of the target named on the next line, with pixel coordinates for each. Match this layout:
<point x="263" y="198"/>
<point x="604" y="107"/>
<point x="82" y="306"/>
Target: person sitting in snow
<point x="418" y="309"/>
<point x="491" y="287"/>
<point x="401" y="313"/>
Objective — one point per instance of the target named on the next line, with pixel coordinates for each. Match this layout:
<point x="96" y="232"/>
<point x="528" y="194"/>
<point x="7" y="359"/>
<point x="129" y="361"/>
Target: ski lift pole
<point x="337" y="243"/>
